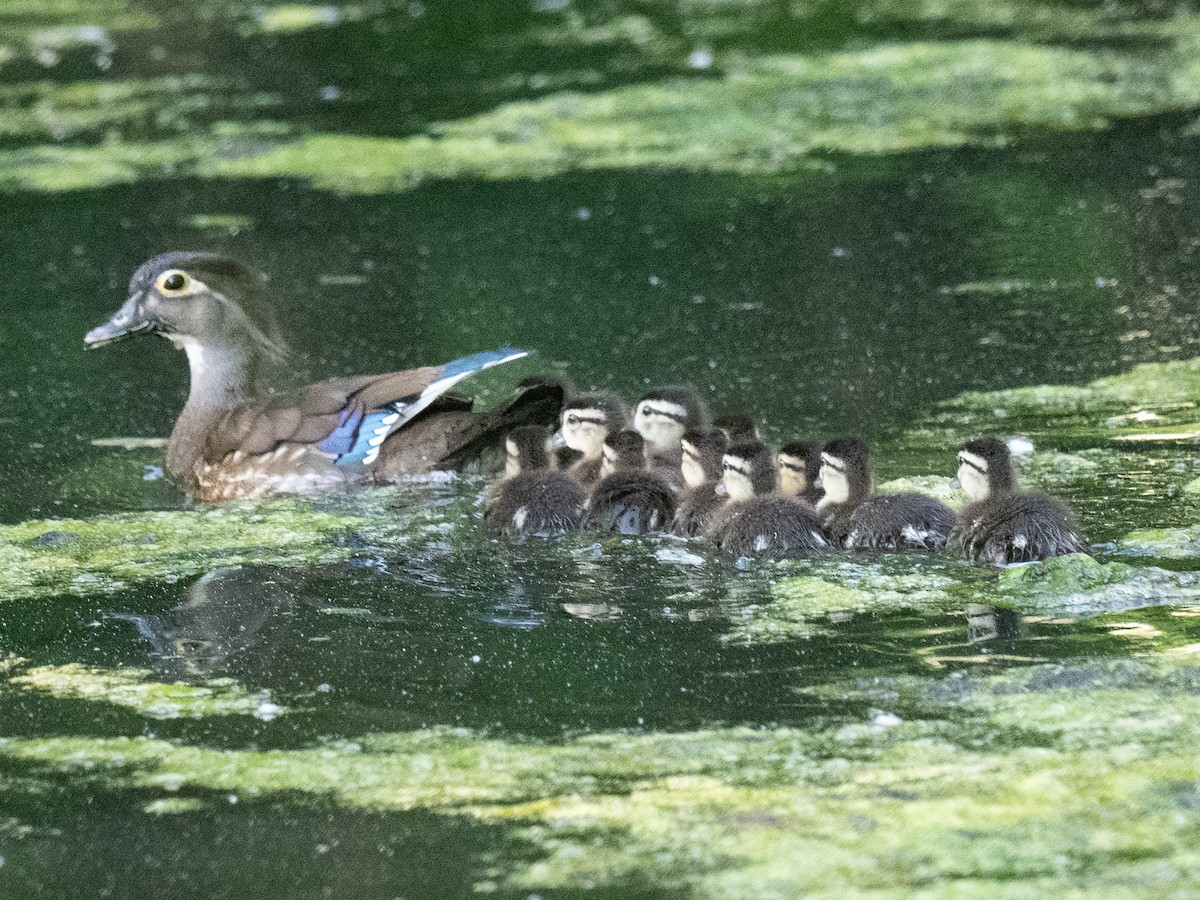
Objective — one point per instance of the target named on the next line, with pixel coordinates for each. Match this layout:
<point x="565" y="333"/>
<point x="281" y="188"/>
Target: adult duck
<point x="233" y="440"/>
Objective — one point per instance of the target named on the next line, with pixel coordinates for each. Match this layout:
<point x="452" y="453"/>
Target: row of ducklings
<point x="676" y="470"/>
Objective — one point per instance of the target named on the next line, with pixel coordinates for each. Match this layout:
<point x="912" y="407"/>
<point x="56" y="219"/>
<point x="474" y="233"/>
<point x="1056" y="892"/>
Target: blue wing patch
<point x="375" y="426"/>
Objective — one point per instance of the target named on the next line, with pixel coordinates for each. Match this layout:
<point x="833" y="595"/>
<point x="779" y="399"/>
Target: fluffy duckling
<point x="737" y="429"/>
<point x="1001" y="524"/>
<point x="533" y="499"/>
<point x="799" y="464"/>
<point x="757" y="520"/>
<point x="586" y="421"/>
<point x="885" y="522"/>
<point x="629" y="498"/>
<point x="662" y="417"/>
<point x="703" y="452"/>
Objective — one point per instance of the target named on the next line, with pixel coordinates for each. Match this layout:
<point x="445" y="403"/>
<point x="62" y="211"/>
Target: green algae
<point x="1010" y="783"/>
<point x="1168" y="543"/>
<point x="136" y="689"/>
<point x="761" y="113"/>
<point x="106" y="554"/>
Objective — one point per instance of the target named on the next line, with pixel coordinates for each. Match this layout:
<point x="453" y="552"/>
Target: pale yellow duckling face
<point x="512" y="459"/>
<point x="693" y="471"/>
<point x="661" y="423"/>
<point x="793" y="474"/>
<point x="583" y="430"/>
<point x="973" y="476"/>
<point x="736" y="483"/>
<point x="834" y="480"/>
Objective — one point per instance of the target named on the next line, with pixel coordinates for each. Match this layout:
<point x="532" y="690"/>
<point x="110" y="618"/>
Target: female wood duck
<point x="533" y="499"/>
<point x="703" y="452"/>
<point x="586" y="421"/>
<point x="661" y="418"/>
<point x="799" y="464"/>
<point x="859" y="521"/>
<point x="229" y="443"/>
<point x="1002" y="525"/>
<point x="758" y="520"/>
<point x="629" y="498"/>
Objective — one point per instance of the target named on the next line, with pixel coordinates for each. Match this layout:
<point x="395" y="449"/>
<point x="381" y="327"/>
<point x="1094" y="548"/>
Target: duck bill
<point x="557" y="441"/>
<point x="955" y="483"/>
<point x="126" y="322"/>
<point x="721" y="490"/>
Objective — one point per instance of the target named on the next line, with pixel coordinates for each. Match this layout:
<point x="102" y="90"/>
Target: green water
<point x="914" y="222"/>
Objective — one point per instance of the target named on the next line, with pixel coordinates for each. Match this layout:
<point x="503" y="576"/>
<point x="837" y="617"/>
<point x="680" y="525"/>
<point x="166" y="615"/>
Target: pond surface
<point x="367" y="696"/>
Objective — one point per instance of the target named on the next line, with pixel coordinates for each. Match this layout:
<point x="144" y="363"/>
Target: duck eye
<point x="175" y="281"/>
<point x="572" y="420"/>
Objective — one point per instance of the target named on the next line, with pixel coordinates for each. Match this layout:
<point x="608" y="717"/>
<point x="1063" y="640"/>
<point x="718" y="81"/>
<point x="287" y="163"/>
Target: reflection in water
<point x="227" y="614"/>
<point x="989" y="623"/>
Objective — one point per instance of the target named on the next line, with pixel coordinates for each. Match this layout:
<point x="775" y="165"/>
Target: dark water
<point x="823" y="303"/>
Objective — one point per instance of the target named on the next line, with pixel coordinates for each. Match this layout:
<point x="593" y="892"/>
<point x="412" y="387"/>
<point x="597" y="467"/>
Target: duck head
<point x="747" y="470"/>
<point x="799" y="464"/>
<point x="702" y="455"/>
<point x="985" y="468"/>
<point x="664" y="414"/>
<point x="587" y="420"/>
<point x="845" y="471"/>
<point x="623" y="451"/>
<point x="194" y="299"/>
<point x="737" y="429"/>
<point x="526" y="449"/>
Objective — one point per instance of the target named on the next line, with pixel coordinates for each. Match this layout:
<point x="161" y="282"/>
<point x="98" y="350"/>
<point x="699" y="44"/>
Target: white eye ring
<point x="173" y="282"/>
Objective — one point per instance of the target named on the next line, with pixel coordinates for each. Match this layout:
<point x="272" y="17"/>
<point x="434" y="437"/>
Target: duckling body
<point x="231" y="441"/>
<point x="629" y="499"/>
<point x="858" y="521"/>
<point x="534" y="499"/>
<point x="758" y="520"/>
<point x="701" y="469"/>
<point x="1002" y="525"/>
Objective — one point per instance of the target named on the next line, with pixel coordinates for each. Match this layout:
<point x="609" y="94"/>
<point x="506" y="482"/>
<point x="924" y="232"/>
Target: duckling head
<point x="526" y="450"/>
<point x="798" y="463"/>
<point x="737" y="429"/>
<point x="664" y="414"/>
<point x="587" y="420"/>
<point x="985" y="468"/>
<point x="195" y="300"/>
<point x="845" y="471"/>
<point x="702" y="456"/>
<point x="622" y="451"/>
<point x="747" y="471"/>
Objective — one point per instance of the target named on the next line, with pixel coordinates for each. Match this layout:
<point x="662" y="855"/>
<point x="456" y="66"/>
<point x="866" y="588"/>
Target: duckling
<point x="758" y="520"/>
<point x="533" y="499"/>
<point x="233" y="440"/>
<point x="586" y="421"/>
<point x="1001" y="524"/>
<point x="737" y="429"/>
<point x="629" y="499"/>
<point x="563" y="457"/>
<point x="859" y="521"/>
<point x="799" y="464"/>
<point x="703" y="452"/>
<point x="662" y="416"/>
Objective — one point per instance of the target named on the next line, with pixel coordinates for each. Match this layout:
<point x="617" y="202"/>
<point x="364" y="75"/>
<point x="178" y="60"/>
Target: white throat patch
<point x="661" y="423"/>
<point x="835" y="482"/>
<point x="974" y="482"/>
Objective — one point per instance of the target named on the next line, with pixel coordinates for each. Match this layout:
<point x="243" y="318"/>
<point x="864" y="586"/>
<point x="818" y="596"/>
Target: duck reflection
<point x="989" y="623"/>
<point x="226" y="615"/>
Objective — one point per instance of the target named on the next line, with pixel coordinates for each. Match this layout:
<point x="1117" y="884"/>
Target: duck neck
<point x="220" y="379"/>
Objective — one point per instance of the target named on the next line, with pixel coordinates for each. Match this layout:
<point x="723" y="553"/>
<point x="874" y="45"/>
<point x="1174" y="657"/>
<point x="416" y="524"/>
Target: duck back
<point x="697" y="508"/>
<point x="777" y="527"/>
<point x="1018" y="527"/>
<point x="900" y="522"/>
<point x="535" y="503"/>
<point x="629" y="502"/>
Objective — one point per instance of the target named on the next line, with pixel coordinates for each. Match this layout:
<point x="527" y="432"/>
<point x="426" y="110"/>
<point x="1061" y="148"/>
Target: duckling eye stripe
<point x="743" y="472"/>
<point x="588" y="420"/>
<point x="826" y="461"/>
<point x="790" y="466"/>
<point x="978" y="468"/>
<point x="665" y="413"/>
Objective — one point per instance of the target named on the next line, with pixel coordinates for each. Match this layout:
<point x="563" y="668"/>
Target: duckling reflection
<point x="226" y="614"/>
<point x="990" y="623"/>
